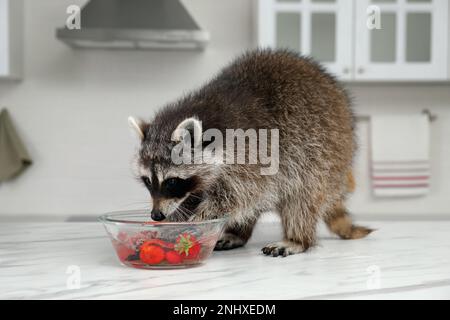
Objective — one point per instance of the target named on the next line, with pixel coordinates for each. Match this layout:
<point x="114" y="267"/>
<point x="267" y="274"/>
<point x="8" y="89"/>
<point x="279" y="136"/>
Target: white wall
<point x="71" y="111"/>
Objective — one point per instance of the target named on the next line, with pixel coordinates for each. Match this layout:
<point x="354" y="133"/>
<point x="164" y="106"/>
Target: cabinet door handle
<point x="346" y="70"/>
<point x="361" y="70"/>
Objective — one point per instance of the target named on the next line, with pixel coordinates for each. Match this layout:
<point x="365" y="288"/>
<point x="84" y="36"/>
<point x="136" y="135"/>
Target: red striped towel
<point x="400" y="155"/>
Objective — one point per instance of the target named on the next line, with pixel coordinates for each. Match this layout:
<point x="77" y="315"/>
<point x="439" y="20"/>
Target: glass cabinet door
<point x="404" y="40"/>
<point x="322" y="29"/>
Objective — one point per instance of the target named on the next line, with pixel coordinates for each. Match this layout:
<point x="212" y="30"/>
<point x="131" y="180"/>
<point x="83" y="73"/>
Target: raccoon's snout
<point x="157" y="215"/>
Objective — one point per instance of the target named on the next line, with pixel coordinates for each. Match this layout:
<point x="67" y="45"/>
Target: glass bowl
<point x="142" y="243"/>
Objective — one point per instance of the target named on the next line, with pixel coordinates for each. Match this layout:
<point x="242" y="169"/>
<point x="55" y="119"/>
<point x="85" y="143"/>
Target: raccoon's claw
<point x="282" y="249"/>
<point x="229" y="241"/>
<point x="275" y="252"/>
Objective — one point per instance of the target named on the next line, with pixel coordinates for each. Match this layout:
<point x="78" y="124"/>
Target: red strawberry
<point x="173" y="257"/>
<point x="138" y="239"/>
<point x="194" y="251"/>
<point x="151" y="254"/>
<point x="161" y="243"/>
<point x="187" y="246"/>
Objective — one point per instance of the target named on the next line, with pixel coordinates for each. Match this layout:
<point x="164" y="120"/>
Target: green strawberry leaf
<point x="183" y="244"/>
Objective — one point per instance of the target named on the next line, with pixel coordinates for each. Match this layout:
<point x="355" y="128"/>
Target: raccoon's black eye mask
<point x="170" y="188"/>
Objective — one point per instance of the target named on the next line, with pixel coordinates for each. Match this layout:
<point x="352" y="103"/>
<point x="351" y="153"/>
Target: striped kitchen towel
<point x="400" y="155"/>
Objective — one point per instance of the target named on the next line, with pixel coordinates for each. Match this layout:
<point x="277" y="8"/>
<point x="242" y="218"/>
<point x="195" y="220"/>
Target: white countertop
<point x="400" y="260"/>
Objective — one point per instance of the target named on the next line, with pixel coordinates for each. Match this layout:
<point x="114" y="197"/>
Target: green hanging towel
<point x="14" y="158"/>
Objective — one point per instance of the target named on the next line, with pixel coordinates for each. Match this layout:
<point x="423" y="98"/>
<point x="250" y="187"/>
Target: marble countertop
<point x="400" y="260"/>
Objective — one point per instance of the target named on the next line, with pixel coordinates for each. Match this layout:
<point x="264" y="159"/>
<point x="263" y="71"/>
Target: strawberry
<point x="173" y="257"/>
<point x="138" y="239"/>
<point x="187" y="245"/>
<point x="161" y="243"/>
<point x="151" y="254"/>
<point x="194" y="251"/>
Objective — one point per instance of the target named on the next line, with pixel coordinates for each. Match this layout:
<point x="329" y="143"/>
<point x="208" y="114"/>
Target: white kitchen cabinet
<point x="320" y="28"/>
<point x="11" y="39"/>
<point x="412" y="44"/>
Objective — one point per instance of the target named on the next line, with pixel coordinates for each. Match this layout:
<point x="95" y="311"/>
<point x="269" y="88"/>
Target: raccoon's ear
<point x="191" y="125"/>
<point x="138" y="126"/>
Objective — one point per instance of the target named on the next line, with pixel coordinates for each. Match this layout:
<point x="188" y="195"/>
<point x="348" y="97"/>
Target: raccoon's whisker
<point x="182" y="208"/>
<point x="185" y="214"/>
<point x="195" y="196"/>
<point x="182" y="211"/>
<point x="177" y="215"/>
<point x="186" y="211"/>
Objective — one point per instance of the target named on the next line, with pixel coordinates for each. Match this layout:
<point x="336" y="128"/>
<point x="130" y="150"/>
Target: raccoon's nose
<point x="157" y="215"/>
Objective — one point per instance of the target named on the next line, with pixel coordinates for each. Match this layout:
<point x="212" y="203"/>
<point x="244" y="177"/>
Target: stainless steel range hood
<point x="135" y="24"/>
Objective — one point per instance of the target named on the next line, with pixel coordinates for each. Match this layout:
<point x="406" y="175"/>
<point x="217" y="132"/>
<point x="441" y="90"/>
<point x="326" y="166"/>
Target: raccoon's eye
<point x="172" y="187"/>
<point x="177" y="187"/>
<point x="171" y="183"/>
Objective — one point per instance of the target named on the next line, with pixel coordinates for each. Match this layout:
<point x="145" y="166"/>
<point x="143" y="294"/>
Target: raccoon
<point x="261" y="89"/>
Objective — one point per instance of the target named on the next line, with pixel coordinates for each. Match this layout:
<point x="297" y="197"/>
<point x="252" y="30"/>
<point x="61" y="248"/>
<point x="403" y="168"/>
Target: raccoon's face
<point x="175" y="197"/>
<point x="176" y="190"/>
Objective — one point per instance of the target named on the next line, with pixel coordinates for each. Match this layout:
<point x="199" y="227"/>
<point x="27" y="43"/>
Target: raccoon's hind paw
<point x="282" y="249"/>
<point x="229" y="241"/>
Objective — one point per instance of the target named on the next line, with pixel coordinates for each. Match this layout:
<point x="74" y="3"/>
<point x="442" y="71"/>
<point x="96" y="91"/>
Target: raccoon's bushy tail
<point x="339" y="221"/>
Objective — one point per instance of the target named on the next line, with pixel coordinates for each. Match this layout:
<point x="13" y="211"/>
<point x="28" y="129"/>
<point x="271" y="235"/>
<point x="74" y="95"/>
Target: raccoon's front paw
<point x="282" y="248"/>
<point x="229" y="241"/>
